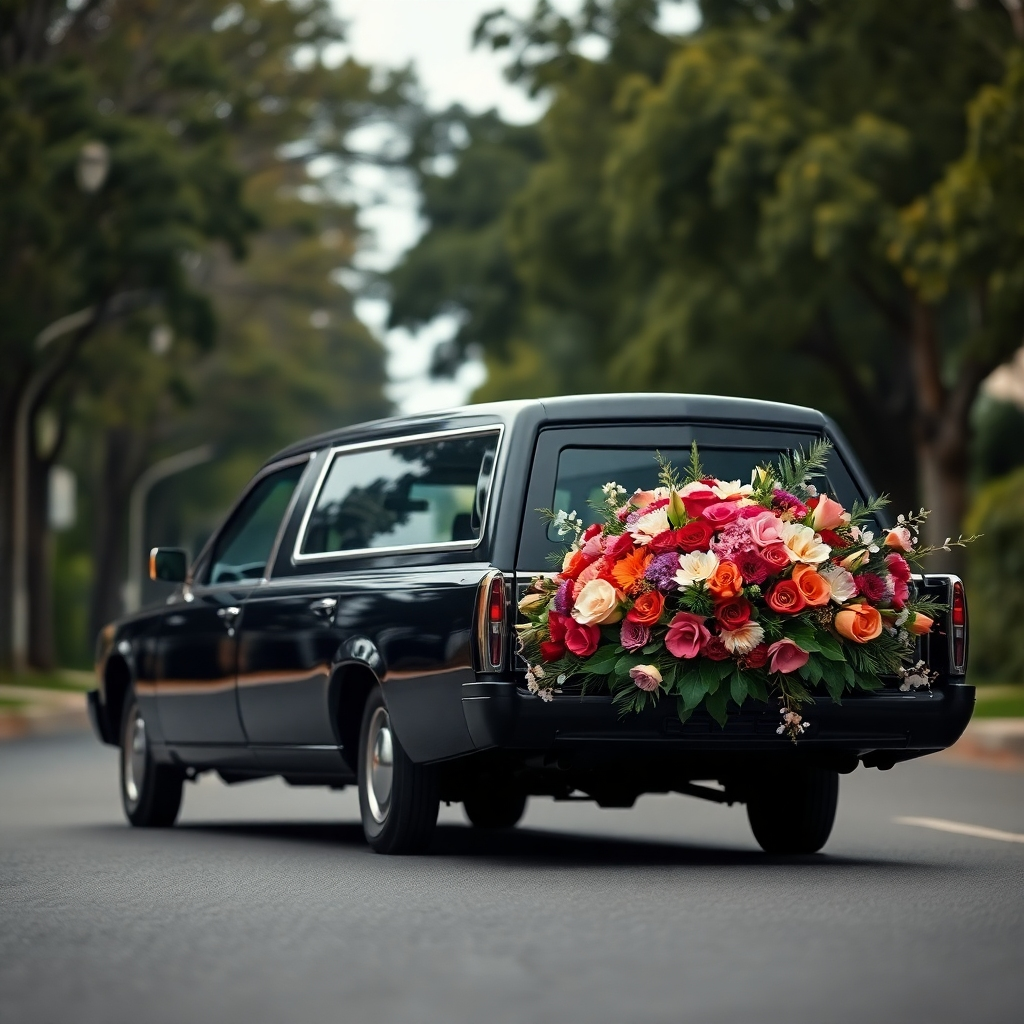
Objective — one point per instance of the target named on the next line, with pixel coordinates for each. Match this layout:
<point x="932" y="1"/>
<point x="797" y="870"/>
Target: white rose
<point x="598" y="603"/>
<point x="804" y="544"/>
<point x="695" y="567"/>
<point x="840" y="583"/>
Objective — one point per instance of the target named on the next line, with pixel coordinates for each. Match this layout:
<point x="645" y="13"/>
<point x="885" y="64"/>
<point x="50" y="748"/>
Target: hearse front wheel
<point x="793" y="811"/>
<point x="150" y="792"/>
<point x="398" y="799"/>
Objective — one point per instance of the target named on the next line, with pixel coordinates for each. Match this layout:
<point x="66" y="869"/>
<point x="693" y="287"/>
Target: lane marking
<point x="961" y="829"/>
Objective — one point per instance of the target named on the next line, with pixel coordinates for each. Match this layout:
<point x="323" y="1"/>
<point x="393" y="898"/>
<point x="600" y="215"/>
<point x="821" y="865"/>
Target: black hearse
<point x="352" y="621"/>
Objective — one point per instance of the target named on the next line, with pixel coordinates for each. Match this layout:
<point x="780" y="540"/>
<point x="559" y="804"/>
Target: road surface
<point x="264" y="905"/>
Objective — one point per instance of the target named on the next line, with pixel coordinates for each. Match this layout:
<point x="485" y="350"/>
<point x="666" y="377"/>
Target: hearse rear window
<point x="582" y="472"/>
<point x="415" y="494"/>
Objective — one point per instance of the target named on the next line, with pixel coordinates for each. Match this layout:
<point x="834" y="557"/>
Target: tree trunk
<point x="6" y="522"/>
<point x="40" y="568"/>
<point x="123" y="453"/>
<point x="942" y="435"/>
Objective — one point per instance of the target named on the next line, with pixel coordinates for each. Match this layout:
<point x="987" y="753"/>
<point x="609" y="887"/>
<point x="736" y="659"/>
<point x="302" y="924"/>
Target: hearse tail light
<point x="958" y="630"/>
<point x="491" y="621"/>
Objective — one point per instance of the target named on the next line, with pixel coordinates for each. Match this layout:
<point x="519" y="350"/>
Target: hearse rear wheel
<point x="398" y="800"/>
<point x="150" y="792"/>
<point x="498" y="807"/>
<point x="793" y="811"/>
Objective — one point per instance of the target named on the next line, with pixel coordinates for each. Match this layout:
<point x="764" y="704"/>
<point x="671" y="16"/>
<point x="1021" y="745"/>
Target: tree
<point x="193" y="100"/>
<point x="788" y="204"/>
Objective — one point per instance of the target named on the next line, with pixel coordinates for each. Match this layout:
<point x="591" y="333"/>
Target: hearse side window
<point x="583" y="471"/>
<point x="409" y="495"/>
<point x="243" y="547"/>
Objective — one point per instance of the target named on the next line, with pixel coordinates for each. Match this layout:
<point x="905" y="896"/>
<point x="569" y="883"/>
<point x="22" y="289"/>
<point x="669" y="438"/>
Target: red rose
<point x="785" y="598"/>
<point x="832" y="539"/>
<point x="550" y="651"/>
<point x="554" y="648"/>
<point x="715" y="649"/>
<point x="590" y="532"/>
<point x="697" y="501"/>
<point x="757" y="658"/>
<point x="777" y="556"/>
<point x="582" y="640"/>
<point x="618" y="547"/>
<point x="733" y="613"/>
<point x="695" y="536"/>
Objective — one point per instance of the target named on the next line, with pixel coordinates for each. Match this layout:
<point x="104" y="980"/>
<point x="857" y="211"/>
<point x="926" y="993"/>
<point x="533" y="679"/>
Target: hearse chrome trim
<point x="299" y="558"/>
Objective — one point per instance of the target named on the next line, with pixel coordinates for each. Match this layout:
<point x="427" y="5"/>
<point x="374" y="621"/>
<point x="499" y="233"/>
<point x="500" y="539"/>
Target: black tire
<point x="793" y="811"/>
<point x="399" y="810"/>
<point x="150" y="792"/>
<point x="497" y="807"/>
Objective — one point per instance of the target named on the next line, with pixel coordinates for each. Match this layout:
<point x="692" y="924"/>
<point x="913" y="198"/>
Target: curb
<point x="991" y="743"/>
<point x="45" y="713"/>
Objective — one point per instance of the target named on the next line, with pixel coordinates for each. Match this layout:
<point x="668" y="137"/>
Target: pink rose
<point x="766" y="529"/>
<point x="785" y="656"/>
<point x="634" y="635"/>
<point x="646" y="677"/>
<point x="686" y="635"/>
<point x="828" y="514"/>
<point x="594" y="547"/>
<point x="720" y="513"/>
<point x="581" y="640"/>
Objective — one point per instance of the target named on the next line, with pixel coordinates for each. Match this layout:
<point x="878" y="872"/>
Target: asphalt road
<point x="264" y="905"/>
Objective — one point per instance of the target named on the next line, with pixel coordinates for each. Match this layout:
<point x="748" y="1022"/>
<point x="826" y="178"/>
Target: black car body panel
<point x="265" y="673"/>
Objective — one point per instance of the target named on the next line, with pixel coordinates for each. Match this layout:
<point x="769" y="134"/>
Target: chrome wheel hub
<point x="380" y="757"/>
<point x="134" y="756"/>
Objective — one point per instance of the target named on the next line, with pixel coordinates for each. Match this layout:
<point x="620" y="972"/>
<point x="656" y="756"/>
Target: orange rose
<point x="647" y="609"/>
<point x="919" y="624"/>
<point x="785" y="598"/>
<point x="814" y="589"/>
<point x="726" y="581"/>
<point x="859" y="623"/>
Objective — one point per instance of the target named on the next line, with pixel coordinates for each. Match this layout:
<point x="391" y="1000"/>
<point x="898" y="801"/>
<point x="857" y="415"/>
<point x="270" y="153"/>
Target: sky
<point x="435" y="36"/>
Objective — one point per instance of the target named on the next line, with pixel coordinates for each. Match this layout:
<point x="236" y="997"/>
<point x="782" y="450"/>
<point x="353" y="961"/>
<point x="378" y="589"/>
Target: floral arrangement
<point x="713" y="591"/>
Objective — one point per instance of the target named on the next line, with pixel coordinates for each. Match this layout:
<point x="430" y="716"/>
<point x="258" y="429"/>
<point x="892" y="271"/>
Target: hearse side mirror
<point x="168" y="564"/>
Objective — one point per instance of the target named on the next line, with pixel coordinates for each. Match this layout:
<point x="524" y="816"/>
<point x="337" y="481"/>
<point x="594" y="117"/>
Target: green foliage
<point x="798" y="469"/>
<point x="996" y="562"/>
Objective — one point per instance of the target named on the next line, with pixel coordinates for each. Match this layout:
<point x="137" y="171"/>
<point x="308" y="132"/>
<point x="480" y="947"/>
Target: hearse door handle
<point x="325" y="607"/>
<point x="229" y="614"/>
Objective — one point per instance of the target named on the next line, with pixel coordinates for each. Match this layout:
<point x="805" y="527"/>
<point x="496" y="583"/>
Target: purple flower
<point x="563" y="598"/>
<point x="662" y="570"/>
<point x="784" y="500"/>
<point x="633" y="636"/>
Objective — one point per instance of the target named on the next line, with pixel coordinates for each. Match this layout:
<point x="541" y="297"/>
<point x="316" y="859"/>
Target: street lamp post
<point x="132" y="591"/>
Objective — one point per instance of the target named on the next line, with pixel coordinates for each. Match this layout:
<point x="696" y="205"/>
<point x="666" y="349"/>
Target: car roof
<point x="572" y="409"/>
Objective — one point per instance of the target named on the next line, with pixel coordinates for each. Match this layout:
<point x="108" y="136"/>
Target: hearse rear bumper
<point x="879" y="728"/>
